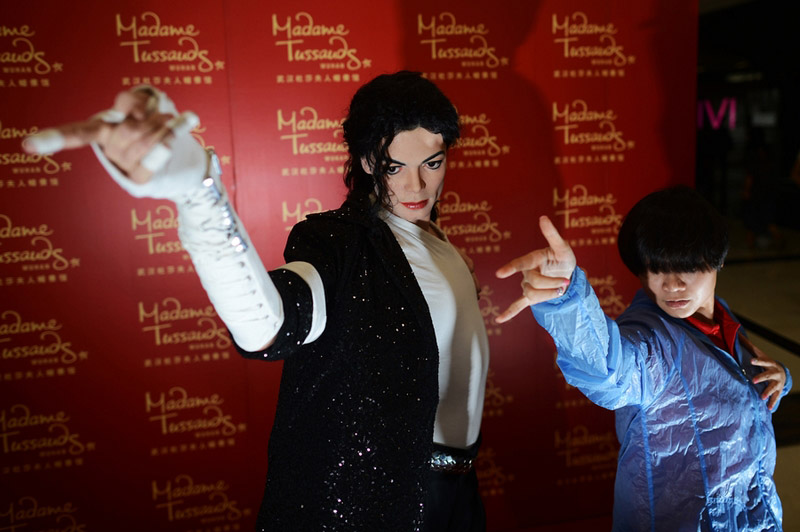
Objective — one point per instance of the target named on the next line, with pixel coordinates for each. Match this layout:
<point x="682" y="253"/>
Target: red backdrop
<point x="122" y="403"/>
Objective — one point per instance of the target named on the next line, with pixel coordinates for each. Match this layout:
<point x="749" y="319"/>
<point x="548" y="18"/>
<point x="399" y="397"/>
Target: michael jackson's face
<point x="416" y="174"/>
<point x="683" y="294"/>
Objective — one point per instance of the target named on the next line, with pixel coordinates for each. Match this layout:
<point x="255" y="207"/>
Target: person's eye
<point x="393" y="169"/>
<point x="434" y="165"/>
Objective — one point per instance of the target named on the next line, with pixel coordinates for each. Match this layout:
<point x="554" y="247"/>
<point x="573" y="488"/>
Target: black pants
<point x="453" y="503"/>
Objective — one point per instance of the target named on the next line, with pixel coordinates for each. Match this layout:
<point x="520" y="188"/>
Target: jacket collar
<point x="641" y="302"/>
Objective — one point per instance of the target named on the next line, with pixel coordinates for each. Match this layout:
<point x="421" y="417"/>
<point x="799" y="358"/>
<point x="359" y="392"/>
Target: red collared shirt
<point x="723" y="331"/>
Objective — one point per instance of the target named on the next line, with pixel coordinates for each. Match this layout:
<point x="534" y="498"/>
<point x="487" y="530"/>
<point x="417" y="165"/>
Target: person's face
<point x="416" y="174"/>
<point x="683" y="294"/>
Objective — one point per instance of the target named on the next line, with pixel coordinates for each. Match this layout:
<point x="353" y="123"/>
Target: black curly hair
<point x="673" y="230"/>
<point x="379" y="110"/>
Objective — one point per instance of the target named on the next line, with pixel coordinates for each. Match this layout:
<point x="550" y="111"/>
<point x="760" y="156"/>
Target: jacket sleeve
<point x="305" y="285"/>
<point x="612" y="368"/>
<point x="786" y="387"/>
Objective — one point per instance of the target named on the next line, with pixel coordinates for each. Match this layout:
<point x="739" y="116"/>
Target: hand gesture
<point x="134" y="134"/>
<point x="773" y="373"/>
<point x="545" y="272"/>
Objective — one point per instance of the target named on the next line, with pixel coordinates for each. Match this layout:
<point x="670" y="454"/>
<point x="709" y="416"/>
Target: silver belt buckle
<point x="441" y="461"/>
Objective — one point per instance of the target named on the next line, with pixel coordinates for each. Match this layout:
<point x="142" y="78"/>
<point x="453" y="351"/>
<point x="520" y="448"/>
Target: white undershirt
<point x="449" y="290"/>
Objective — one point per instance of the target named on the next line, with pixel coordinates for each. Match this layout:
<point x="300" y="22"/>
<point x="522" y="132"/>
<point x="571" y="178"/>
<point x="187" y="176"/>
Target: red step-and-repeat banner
<point x="123" y="405"/>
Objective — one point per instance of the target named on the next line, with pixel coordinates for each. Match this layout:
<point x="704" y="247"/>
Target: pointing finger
<point x="552" y="235"/>
<point x="139" y="103"/>
<point x="515" y="308"/>
<point x="525" y="262"/>
<point x="66" y="137"/>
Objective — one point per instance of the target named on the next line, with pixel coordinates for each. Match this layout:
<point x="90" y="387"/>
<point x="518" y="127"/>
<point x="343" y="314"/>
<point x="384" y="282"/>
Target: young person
<point x="375" y="313"/>
<point x="693" y="396"/>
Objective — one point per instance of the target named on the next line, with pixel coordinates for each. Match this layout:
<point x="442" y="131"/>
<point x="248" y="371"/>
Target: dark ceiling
<point x="756" y="37"/>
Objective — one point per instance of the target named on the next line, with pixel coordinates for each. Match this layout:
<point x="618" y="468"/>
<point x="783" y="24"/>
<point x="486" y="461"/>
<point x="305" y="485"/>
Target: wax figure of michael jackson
<point x="375" y="314"/>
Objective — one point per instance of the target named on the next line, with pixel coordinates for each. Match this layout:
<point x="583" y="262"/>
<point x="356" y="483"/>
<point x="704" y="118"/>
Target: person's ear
<point x="366" y="166"/>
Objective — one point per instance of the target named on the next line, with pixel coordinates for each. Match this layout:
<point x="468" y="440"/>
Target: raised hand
<point x="134" y="134"/>
<point x="545" y="272"/>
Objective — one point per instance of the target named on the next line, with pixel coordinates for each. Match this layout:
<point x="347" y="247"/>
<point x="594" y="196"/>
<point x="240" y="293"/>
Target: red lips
<point x="415" y="205"/>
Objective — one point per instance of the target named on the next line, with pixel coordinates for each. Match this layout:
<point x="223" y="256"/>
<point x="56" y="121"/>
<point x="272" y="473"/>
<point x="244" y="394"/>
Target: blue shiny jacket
<point x="697" y="443"/>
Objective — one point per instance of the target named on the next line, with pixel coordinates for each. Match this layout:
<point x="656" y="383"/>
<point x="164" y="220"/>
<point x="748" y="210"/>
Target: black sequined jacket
<point x="351" y="442"/>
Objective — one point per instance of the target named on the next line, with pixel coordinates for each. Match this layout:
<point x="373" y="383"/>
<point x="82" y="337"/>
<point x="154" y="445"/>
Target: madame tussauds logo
<point x="11" y="323"/>
<point x="9" y="230"/>
<point x="183" y="499"/>
<point x="162" y="316"/>
<point x="43" y="250"/>
<point x="50" y="345"/>
<point x="302" y="124"/>
<point x="575" y="29"/>
<point x="21" y="158"/>
<point x="10" y="133"/>
<point x="607" y="295"/>
<point x="440" y="28"/>
<point x="57" y="518"/>
<point x="151" y="227"/>
<point x="581" y="126"/>
<point x="480" y="228"/>
<point x="478" y="141"/>
<point x="141" y="30"/>
<point x="577" y="199"/>
<point x="177" y="401"/>
<point x="294" y="31"/>
<point x="54" y="437"/>
<point x="23" y="52"/>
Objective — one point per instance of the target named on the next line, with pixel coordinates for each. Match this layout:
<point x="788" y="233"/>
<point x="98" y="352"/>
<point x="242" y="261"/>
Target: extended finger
<point x="767" y="375"/>
<point x="66" y="137"/>
<point x="772" y="388"/>
<point x="773" y="400"/>
<point x="532" y="260"/>
<point x="513" y="309"/>
<point x="552" y="235"/>
<point x="539" y="294"/>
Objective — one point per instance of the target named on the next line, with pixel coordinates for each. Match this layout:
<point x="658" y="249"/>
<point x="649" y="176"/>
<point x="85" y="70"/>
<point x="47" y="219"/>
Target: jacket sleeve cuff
<point x="297" y="301"/>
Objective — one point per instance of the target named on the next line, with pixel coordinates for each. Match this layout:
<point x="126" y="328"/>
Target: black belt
<point x="454" y="460"/>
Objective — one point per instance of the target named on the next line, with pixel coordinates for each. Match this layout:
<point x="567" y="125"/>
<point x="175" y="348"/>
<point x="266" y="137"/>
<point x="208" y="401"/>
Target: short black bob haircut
<point x="673" y="230"/>
<point x="379" y="110"/>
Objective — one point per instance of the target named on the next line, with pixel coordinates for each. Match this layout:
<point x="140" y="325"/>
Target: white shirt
<point x="449" y="290"/>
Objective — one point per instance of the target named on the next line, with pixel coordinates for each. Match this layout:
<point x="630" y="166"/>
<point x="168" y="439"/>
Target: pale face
<point x="683" y="294"/>
<point x="416" y="175"/>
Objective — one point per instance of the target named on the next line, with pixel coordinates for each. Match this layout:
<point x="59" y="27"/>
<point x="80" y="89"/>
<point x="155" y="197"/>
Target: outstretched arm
<point x="593" y="355"/>
<point x="545" y="272"/>
<point x="145" y="145"/>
